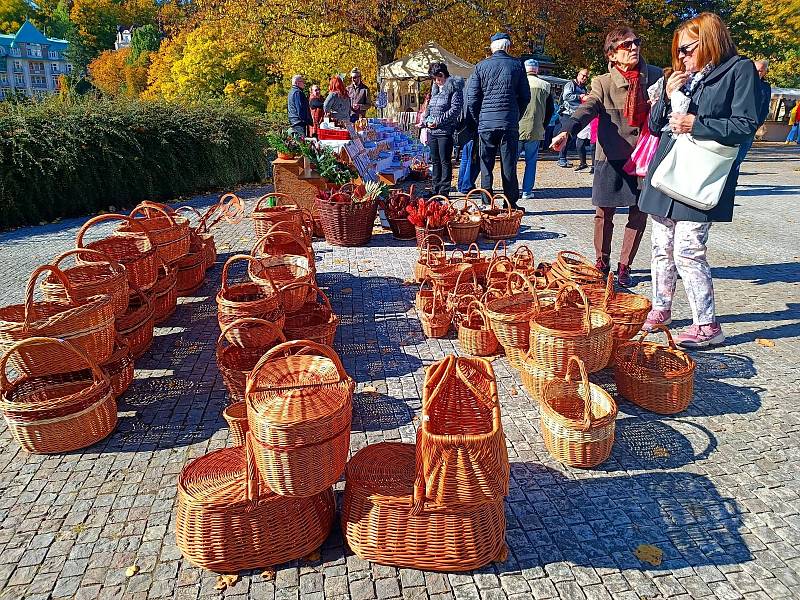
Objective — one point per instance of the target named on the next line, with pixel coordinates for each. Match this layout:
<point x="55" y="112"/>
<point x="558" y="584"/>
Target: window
<point x="69" y="68"/>
<point x="16" y="52"/>
<point x="3" y="78"/>
<point x="19" y="80"/>
<point x="18" y="66"/>
<point x="38" y="81"/>
<point x="54" y="67"/>
<point x="36" y="67"/>
<point x="35" y="50"/>
<point x="2" y="51"/>
<point x="52" y="54"/>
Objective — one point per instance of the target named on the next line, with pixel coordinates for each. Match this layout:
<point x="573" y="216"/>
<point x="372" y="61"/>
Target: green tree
<point x="145" y="39"/>
<point x="13" y="14"/>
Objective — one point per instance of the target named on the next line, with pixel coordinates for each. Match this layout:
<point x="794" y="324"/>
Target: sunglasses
<point x="628" y="44"/>
<point x="687" y="49"/>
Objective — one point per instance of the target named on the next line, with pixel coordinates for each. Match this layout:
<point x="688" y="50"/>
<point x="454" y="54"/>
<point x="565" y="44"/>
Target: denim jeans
<point x="531" y="149"/>
<point x="794" y="134"/>
<point x="470" y="167"/>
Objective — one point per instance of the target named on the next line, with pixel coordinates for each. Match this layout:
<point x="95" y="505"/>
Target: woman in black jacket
<point x="721" y="90"/>
<point x="441" y="118"/>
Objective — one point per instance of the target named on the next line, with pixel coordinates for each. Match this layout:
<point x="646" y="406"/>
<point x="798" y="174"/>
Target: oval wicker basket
<point x="300" y="407"/>
<point x="431" y="253"/>
<point x="134" y="249"/>
<point x="347" y="223"/>
<point x="102" y="276"/>
<point x="315" y="321"/>
<point x="48" y="414"/>
<point x="466" y="226"/>
<point x="571" y="266"/>
<point x="628" y="311"/>
<point x="475" y="334"/>
<point x="119" y="367"/>
<point x="168" y="231"/>
<point x="191" y="268"/>
<point x="285" y="211"/>
<point x="136" y="325"/>
<point x="89" y="325"/>
<point x="567" y="330"/>
<point x="578" y="419"/>
<point x="236" y="417"/>
<point x="164" y="294"/>
<point x="275" y="272"/>
<point x="227" y="520"/>
<point x="499" y="223"/>
<point x="658" y="378"/>
<point x="434" y="317"/>
<point x="510" y="315"/>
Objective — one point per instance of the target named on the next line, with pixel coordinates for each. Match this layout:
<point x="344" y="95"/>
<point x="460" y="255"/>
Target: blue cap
<point x="531" y="64"/>
<point x="499" y="36"/>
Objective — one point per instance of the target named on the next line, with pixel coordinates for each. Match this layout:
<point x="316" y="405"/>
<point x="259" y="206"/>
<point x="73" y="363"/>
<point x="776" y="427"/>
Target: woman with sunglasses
<point x="721" y="90"/>
<point x="619" y="100"/>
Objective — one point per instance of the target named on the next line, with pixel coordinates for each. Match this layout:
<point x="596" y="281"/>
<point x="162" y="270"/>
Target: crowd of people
<point x="342" y="103"/>
<point x="644" y="127"/>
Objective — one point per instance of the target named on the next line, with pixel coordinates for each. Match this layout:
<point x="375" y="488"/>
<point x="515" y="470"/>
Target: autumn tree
<point x="13" y="14"/>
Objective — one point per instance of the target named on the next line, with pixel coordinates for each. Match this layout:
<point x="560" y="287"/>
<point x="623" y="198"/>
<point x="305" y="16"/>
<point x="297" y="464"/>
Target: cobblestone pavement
<point x="716" y="487"/>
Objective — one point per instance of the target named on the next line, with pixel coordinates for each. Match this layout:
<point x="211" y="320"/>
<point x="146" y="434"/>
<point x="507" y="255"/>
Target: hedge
<point x="64" y="159"/>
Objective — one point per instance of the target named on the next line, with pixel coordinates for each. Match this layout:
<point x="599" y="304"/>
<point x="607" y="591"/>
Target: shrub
<point x="64" y="159"/>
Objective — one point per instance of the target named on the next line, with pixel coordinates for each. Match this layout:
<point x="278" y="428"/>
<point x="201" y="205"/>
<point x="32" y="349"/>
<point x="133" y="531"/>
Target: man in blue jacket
<point x="498" y="95"/>
<point x="297" y="104"/>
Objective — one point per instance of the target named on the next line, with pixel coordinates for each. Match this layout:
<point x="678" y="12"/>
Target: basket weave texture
<point x="136" y="325"/>
<point x="499" y="223"/>
<point x="315" y="321"/>
<point x="168" y="231"/>
<point x="347" y="223"/>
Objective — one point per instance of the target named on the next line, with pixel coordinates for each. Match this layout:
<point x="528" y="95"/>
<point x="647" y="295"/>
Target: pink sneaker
<point x="701" y="336"/>
<point x="657" y="317"/>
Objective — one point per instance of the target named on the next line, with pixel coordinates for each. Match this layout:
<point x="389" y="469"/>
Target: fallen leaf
<point x="268" y="574"/>
<point x="313" y="557"/>
<point x="221" y="585"/>
<point x="659" y="452"/>
<point x="369" y="389"/>
<point x="230" y="580"/>
<point x="347" y="290"/>
<point x="131" y="571"/>
<point x="339" y="261"/>
<point x="386" y="350"/>
<point x="649" y="554"/>
<point x="514" y="390"/>
<point x="244" y="239"/>
<point x="765" y="343"/>
<point x="79" y="528"/>
<point x="224" y="247"/>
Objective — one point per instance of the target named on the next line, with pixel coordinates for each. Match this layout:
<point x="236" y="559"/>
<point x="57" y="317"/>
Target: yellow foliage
<point x="113" y="75"/>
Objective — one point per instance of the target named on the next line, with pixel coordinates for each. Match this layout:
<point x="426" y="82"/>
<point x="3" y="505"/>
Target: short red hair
<point x="336" y="86"/>
<point x="716" y="44"/>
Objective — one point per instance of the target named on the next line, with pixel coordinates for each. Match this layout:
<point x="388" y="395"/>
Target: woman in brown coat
<point x="619" y="100"/>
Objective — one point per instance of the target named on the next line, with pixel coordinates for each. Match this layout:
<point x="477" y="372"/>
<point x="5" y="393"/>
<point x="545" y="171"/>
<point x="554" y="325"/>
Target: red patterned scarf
<point x="636" y="107"/>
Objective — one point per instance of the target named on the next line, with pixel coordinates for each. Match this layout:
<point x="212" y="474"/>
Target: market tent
<point x="400" y="80"/>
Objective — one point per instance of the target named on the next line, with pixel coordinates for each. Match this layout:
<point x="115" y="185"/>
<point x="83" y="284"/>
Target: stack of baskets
<point x="270" y="500"/>
<point x="456" y="520"/>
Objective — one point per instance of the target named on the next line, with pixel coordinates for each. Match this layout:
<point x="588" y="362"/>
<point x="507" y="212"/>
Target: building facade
<point x="31" y="63"/>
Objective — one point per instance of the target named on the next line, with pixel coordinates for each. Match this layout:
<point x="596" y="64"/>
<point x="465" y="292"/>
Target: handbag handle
<point x="563" y="297"/>
<point x="97" y="373"/>
<point x="250" y="259"/>
<point x="112" y="217"/>
<point x="303" y="347"/>
<point x="30" y="307"/>
<point x="278" y="333"/>
<point x="278" y="197"/>
<point x="587" y="396"/>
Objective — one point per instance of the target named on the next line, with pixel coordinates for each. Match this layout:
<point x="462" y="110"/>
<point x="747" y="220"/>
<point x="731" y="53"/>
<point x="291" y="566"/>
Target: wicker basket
<point x="461" y="449"/>
<point x="570" y="329"/>
<point x="378" y="526"/>
<point x="164" y="294"/>
<point x="279" y="243"/>
<point x="207" y="239"/>
<point x="571" y="266"/>
<point x="103" y="276"/>
<point x="510" y="315"/>
<point x="89" y="325"/>
<point x="524" y="262"/>
<point x="300" y="407"/>
<point x="55" y="413"/>
<point x="658" y="378"/>
<point x="237" y="357"/>
<point x="285" y="211"/>
<point x="423" y="233"/>
<point x="136" y="325"/>
<point x="477" y="261"/>
<point x="499" y="223"/>
<point x="534" y="378"/>
<point x="498" y="272"/>
<point x="466" y="226"/>
<point x="191" y="269"/>
<point x="134" y="249"/>
<point x="578" y="419"/>
<point x="119" y="367"/>
<point x="431" y="253"/>
<point x="347" y="223"/>
<point x="462" y="293"/>
<point x="475" y="335"/>
<point x="227" y="520"/>
<point x="236" y="417"/>
<point x="315" y="321"/>
<point x="402" y="229"/>
<point x="168" y="231"/>
<point x="275" y="273"/>
<point x="434" y="318"/>
<point x="247" y="299"/>
<point x="628" y="311"/>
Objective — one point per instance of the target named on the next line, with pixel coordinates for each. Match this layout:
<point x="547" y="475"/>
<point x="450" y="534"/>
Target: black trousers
<point x="584" y="147"/>
<point x="506" y="141"/>
<point x="442" y="163"/>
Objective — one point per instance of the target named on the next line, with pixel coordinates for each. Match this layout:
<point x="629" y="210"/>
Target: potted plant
<point x="430" y="217"/>
<point x="287" y="147"/>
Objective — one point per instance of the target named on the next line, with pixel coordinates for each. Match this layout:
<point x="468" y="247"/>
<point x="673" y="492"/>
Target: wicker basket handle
<point x="192" y="210"/>
<point x="145" y="208"/>
<point x="437" y="295"/>
<point x="148" y="299"/>
<point x="253" y="488"/>
<point x="473" y="250"/>
<point x="453" y="254"/>
<point x="563" y="295"/>
<point x="519" y="256"/>
<point x="609" y="293"/>
<point x="97" y="373"/>
<point x="303" y="346"/>
<point x="466" y="268"/>
<point x="251" y="321"/>
<point x="480" y="191"/>
<point x="311" y="286"/>
<point x="432" y="237"/>
<point x="248" y="258"/>
<point x="576" y="256"/>
<point x="30" y="309"/>
<point x="526" y="283"/>
<point x="587" y="394"/>
<point x="269" y="237"/>
<point x="279" y="197"/>
<point x="506" y="203"/>
<point x="111" y="217"/>
<point x="496" y="262"/>
<point x="475" y="307"/>
<point x="467" y="204"/>
<point x="658" y="327"/>
<point x="104" y="258"/>
<point x="232" y="209"/>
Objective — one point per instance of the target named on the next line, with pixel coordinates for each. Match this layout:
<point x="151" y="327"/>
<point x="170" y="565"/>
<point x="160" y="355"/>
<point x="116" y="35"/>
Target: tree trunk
<point x="386" y="47"/>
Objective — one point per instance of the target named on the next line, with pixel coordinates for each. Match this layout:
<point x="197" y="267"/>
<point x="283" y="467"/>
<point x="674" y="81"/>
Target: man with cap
<point x="359" y="95"/>
<point x="532" y="124"/>
<point x="498" y="95"/>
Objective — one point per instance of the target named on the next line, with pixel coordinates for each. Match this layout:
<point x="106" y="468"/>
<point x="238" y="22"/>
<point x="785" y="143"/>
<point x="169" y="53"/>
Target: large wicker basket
<point x="461" y="448"/>
<point x="228" y="520"/>
<point x="49" y="414"/>
<point x="571" y="266"/>
<point x="577" y="419"/>
<point x="164" y="293"/>
<point x="102" y="276"/>
<point x="168" y="231"/>
<point x="378" y="526"/>
<point x="466" y="226"/>
<point x="299" y="407"/>
<point x="501" y="224"/>
<point x="315" y="321"/>
<point x="347" y="223"/>
<point x="191" y="268"/>
<point x="285" y="211"/>
<point x="136" y="325"/>
<point x="89" y="325"/>
<point x="656" y="377"/>
<point x="119" y="367"/>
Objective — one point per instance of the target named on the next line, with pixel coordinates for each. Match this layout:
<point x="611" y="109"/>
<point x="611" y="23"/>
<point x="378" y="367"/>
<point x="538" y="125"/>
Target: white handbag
<point x="694" y="171"/>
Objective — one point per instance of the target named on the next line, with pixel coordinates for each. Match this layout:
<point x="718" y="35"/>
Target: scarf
<point x="692" y="83"/>
<point x="636" y="106"/>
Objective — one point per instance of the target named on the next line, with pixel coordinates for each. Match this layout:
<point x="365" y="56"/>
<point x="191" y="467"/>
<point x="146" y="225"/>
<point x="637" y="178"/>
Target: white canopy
<point x="415" y="65"/>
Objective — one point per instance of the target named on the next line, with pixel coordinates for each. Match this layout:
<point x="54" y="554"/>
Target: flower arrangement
<point x="348" y="193"/>
<point x="429" y="214"/>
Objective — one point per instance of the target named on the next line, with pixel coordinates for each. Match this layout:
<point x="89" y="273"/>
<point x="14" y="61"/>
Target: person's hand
<point x="559" y="141"/>
<point x="584" y="96"/>
<point x="681" y="123"/>
<point x="676" y="81"/>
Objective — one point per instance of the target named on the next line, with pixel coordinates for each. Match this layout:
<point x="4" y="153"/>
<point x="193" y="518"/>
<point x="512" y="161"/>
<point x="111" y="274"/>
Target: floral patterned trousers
<point x="679" y="248"/>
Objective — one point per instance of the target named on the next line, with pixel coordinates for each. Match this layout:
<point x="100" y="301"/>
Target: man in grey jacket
<point x="571" y="98"/>
<point x="532" y="124"/>
<point x="498" y="95"/>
